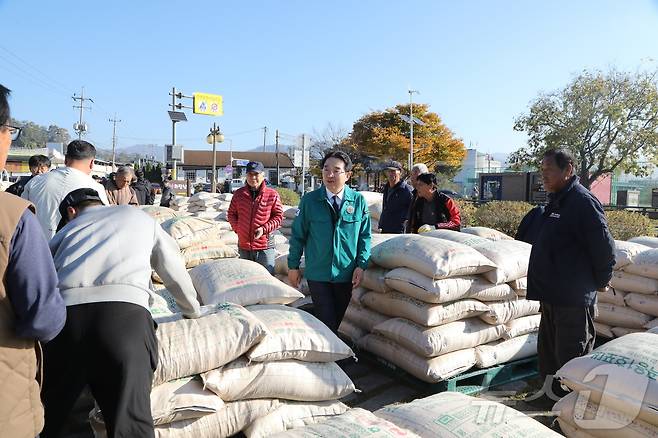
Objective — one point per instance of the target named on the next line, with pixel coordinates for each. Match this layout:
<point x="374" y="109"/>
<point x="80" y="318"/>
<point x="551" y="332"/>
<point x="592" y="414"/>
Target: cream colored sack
<point x="651" y="242"/>
<point x="455" y="415"/>
<point x="519" y="284"/>
<point x="653" y="324"/>
<point x="618" y="316"/>
<point x="182" y="399"/>
<point x="446" y="290"/>
<point x="643" y="303"/>
<point x="521" y="326"/>
<point x="612" y="296"/>
<point x="290" y="212"/>
<point x="487" y="233"/>
<point x="351" y="330"/>
<point x="363" y="317"/>
<point x="456" y="236"/>
<point x="623" y="331"/>
<point x="374" y="278"/>
<point x="600" y="421"/>
<point x="633" y="283"/>
<point x="433" y="341"/>
<point x="626" y="251"/>
<point x="241" y="282"/>
<point x="603" y="330"/>
<point x="397" y="304"/>
<point x="203" y="252"/>
<point x="436" y="258"/>
<point x="627" y="368"/>
<point x="293" y="415"/>
<point x="192" y="346"/>
<point x="190" y="230"/>
<point x="286" y="379"/>
<point x="227" y="422"/>
<point x="498" y="352"/>
<point x="296" y="334"/>
<point x="645" y="264"/>
<point x="427" y="369"/>
<point x="511" y="258"/>
<point x="505" y="311"/>
<point x="160" y="214"/>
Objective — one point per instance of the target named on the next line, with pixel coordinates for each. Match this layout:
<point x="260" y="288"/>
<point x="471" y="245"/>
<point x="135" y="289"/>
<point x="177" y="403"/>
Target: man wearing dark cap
<point x="255" y="213"/>
<point x="396" y="200"/>
<point x="47" y="191"/>
<point x="142" y="188"/>
<point x="108" y="341"/>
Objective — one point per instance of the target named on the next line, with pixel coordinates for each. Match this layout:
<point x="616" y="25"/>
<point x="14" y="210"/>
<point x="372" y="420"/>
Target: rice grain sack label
<point x="645" y="264"/>
<point x="374" y="278"/>
<point x="621" y="316"/>
<point x="445" y="290"/>
<point x="612" y="296"/>
<point x="397" y="304"/>
<point x="600" y="421"/>
<point x="228" y="421"/>
<point x="456" y="236"/>
<point x="292" y="415"/>
<point x="286" y="379"/>
<point x="620" y="374"/>
<point x="241" y="282"/>
<point x="430" y="370"/>
<point x="633" y="283"/>
<point x="500" y="313"/>
<point x="455" y="415"/>
<point x="603" y="330"/>
<point x="203" y="252"/>
<point x="521" y="326"/>
<point x="435" y="258"/>
<point x="192" y="346"/>
<point x="351" y="330"/>
<point x="643" y="303"/>
<point x="434" y="341"/>
<point x="511" y="258"/>
<point x="363" y="317"/>
<point x="355" y="423"/>
<point x="625" y="252"/>
<point x="499" y="352"/>
<point x="181" y="400"/>
<point x="487" y="233"/>
<point x="229" y="237"/>
<point x="190" y="230"/>
<point x="296" y="334"/>
<point x="651" y="242"/>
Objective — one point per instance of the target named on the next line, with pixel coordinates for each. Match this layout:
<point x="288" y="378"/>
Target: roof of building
<point x="204" y="158"/>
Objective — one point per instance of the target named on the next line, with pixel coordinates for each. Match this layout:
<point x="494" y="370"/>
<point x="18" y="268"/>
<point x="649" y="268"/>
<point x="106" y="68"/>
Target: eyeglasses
<point x="14" y="131"/>
<point x="333" y="172"/>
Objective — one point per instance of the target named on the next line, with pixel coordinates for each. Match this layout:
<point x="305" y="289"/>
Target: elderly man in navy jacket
<point x="396" y="201"/>
<point x="572" y="258"/>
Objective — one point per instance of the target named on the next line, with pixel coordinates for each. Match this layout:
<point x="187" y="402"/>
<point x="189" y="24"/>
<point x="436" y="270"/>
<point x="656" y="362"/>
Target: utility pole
<point x="276" y="141"/>
<point x="411" y="128"/>
<point x="264" y="137"/>
<point x="81" y="127"/>
<point x="303" y="164"/>
<point x="114" y="122"/>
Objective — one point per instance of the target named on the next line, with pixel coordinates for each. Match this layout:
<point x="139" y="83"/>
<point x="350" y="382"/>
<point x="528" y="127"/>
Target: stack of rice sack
<point x="439" y="303"/>
<point x="289" y="215"/>
<point x="180" y="203"/>
<point x="375" y="203"/>
<point x="443" y="415"/>
<point x="160" y="214"/>
<point x="615" y="390"/>
<point x="209" y="205"/>
<point x="631" y="304"/>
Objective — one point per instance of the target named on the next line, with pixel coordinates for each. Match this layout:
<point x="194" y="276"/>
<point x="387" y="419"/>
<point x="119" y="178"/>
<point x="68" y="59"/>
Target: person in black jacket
<point x="168" y="194"/>
<point x="571" y="259"/>
<point x="142" y="189"/>
<point x="396" y="201"/>
<point x="38" y="164"/>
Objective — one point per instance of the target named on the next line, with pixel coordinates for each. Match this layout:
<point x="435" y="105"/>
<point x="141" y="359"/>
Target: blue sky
<point x="299" y="65"/>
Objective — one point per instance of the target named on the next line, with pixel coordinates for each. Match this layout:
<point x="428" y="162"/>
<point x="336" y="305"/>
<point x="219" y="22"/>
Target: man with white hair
<point x="119" y="191"/>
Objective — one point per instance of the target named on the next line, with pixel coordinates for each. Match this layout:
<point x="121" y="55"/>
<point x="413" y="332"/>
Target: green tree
<point x="608" y="120"/>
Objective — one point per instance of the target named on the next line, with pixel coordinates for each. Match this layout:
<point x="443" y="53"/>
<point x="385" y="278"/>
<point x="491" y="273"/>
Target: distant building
<point x="474" y="164"/>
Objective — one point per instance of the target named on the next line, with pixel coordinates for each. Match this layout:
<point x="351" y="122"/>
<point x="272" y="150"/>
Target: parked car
<point x="236" y="184"/>
<point x="451" y="193"/>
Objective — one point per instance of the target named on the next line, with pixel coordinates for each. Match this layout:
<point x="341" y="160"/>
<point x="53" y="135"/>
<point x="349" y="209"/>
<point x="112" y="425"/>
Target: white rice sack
<point x="364" y="317"/>
<point x="619" y="316"/>
<point x="290" y="212"/>
<point x="623" y="331"/>
<point x="644" y="264"/>
<point x="456" y="236"/>
<point x="192" y="346"/>
<point x="181" y="400"/>
<point x="160" y="214"/>
<point x="519" y="284"/>
<point x="434" y="341"/>
<point x="190" y="230"/>
<point x="626" y="368"/>
<point x="651" y="242"/>
<point x="426" y="369"/>
<point x="203" y="252"/>
<point x="603" y="330"/>
<point x="227" y="422"/>
<point x="293" y="415"/>
<point x="229" y="237"/>
<point x="600" y="421"/>
<point x="355" y="423"/>
<point x="436" y="258"/>
<point x="286" y="379"/>
<point x="241" y="282"/>
<point x="281" y="263"/>
<point x="350" y="330"/>
<point x="453" y="415"/>
<point x="647" y="304"/>
<point x="633" y="283"/>
<point x="374" y="278"/>
<point x="162" y="303"/>
<point x="180" y="201"/>
<point x="612" y="296"/>
<point x="498" y="352"/>
<point x="521" y="326"/>
<point x="279" y="239"/>
<point x="296" y="334"/>
<point x="396" y="304"/>
<point x="500" y="313"/>
<point x="287" y="223"/>
<point x="625" y="252"/>
<point x="511" y="258"/>
<point x="445" y="290"/>
<point x="486" y="233"/>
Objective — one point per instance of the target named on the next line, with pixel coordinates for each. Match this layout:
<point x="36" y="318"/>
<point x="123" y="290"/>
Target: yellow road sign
<point x="209" y="104"/>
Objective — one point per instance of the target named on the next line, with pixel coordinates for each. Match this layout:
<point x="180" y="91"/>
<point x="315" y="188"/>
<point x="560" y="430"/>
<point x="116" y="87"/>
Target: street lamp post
<point x="213" y="138"/>
<point x="411" y="128"/>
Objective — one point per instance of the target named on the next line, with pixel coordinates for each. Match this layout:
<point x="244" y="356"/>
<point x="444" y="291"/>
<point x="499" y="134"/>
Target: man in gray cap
<point x="396" y="200"/>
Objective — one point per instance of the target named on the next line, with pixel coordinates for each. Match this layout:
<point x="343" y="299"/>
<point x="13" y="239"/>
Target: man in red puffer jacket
<point x="255" y="213"/>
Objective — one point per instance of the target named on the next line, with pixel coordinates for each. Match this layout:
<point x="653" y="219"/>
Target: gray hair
<point x="420" y="168"/>
<point x="125" y="170"/>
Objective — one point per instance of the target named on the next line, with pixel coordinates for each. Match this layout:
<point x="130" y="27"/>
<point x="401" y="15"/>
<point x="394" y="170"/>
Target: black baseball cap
<point x="255" y="166"/>
<point x="73" y="199"/>
<point x="394" y="165"/>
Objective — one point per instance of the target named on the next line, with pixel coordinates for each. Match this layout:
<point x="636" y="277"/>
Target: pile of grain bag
<point x="440" y="303"/>
<point x="160" y="214"/>
<point x="180" y="203"/>
<point x="209" y="205"/>
<point x="631" y="304"/>
<point x="289" y="215"/>
<point x="615" y="393"/>
<point x="375" y="202"/>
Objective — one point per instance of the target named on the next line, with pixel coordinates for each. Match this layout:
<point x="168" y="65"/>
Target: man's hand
<point x="293" y="277"/>
<point x="357" y="277"/>
<point x="258" y="232"/>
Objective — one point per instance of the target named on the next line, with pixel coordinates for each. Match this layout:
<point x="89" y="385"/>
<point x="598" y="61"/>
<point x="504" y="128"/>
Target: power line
<point x="81" y="127"/>
<point x="50" y="79"/>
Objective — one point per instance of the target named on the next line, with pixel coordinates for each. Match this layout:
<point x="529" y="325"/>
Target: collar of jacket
<point x="555" y="198"/>
<point x="348" y="194"/>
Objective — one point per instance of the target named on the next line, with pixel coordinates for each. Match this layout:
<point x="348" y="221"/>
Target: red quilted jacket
<point x="245" y="214"/>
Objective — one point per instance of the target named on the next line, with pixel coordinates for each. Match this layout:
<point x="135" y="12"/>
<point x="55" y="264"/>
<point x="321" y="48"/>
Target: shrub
<point x="626" y="224"/>
<point x="466" y="211"/>
<point x="288" y="197"/>
<point x="504" y="216"/>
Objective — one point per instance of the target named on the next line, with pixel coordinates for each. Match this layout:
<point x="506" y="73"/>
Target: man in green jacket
<point x="332" y="229"/>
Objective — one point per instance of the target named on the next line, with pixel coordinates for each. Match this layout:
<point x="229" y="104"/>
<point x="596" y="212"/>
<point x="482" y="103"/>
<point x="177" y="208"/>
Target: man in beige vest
<point x="31" y="307"/>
